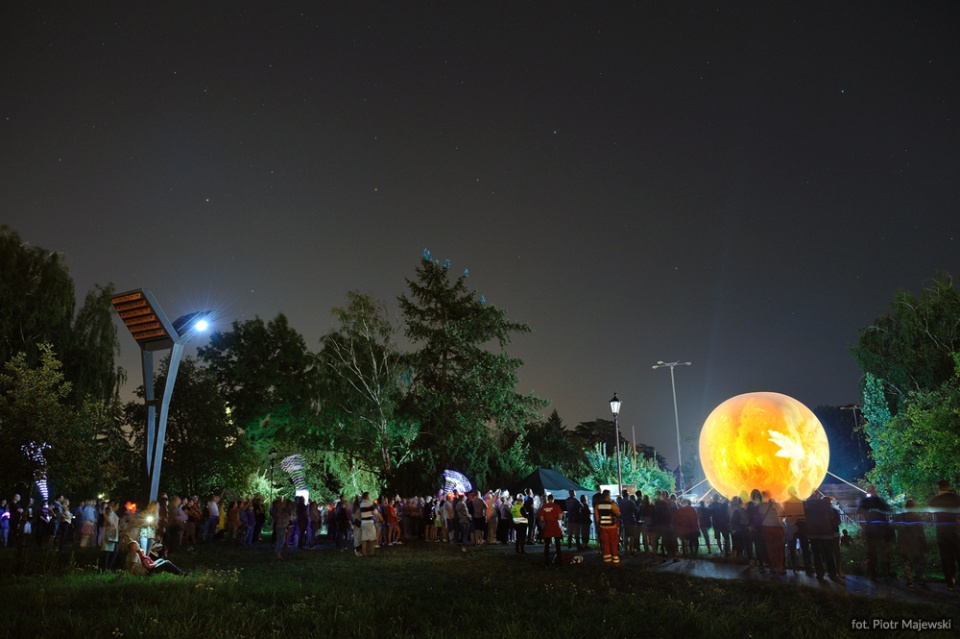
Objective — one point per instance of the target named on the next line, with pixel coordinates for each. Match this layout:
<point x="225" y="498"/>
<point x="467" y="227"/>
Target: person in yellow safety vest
<point x="607" y="517"/>
<point x="519" y="513"/>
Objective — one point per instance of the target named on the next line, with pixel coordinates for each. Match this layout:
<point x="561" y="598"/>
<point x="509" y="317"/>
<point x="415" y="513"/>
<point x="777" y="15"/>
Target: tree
<point x="204" y="450"/>
<point x="119" y="469"/>
<point x="37" y="302"/>
<point x="602" y="431"/>
<point x="598" y="431"/>
<point x="463" y="394"/>
<point x="551" y="445"/>
<point x="920" y="444"/>
<point x="93" y="349"/>
<point x="35" y="414"/>
<point x="363" y="388"/>
<point x="642" y="472"/>
<point x="36" y="299"/>
<point x="910" y="348"/>
<point x="908" y="357"/>
<point x="266" y="374"/>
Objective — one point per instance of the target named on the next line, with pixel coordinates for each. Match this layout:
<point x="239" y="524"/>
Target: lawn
<point x="420" y="590"/>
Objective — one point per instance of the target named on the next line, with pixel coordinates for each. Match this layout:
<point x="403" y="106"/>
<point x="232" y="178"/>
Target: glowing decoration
<point x="454" y="482"/>
<point x="293" y="465"/>
<point x="767" y="441"/>
<point x="34" y="453"/>
<point x="131" y="507"/>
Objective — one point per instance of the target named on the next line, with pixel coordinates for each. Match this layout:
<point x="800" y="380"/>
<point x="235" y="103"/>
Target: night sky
<point x="743" y="185"/>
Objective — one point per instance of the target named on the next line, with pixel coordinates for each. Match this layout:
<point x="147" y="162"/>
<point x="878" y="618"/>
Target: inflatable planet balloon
<point x="767" y="441"/>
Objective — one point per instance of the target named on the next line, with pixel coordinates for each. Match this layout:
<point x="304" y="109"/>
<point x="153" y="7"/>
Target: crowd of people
<point x="799" y="535"/>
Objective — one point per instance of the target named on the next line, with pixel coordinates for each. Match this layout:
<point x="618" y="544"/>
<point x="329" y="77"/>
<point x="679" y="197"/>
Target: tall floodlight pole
<point x="676" y="415"/>
<point x="615" y="409"/>
<point x="153" y="332"/>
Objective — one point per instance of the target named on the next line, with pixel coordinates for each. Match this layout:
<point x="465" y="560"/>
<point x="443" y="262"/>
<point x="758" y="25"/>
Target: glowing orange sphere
<point x="767" y="441"/>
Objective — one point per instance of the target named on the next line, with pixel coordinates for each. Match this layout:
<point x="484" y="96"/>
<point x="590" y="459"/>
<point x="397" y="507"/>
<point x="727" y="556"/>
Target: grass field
<point x="423" y="591"/>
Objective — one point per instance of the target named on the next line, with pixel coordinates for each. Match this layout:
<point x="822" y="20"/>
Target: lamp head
<point x="192" y="323"/>
<point x="615" y="405"/>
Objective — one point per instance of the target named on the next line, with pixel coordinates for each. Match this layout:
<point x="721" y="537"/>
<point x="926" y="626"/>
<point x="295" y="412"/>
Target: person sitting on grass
<point x="139" y="563"/>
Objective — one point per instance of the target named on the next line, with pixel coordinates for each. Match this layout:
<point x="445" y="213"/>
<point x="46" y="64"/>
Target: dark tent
<point x="544" y="480"/>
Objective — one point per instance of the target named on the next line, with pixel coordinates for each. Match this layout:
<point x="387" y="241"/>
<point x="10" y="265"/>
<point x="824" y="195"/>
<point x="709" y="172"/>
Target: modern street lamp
<point x="676" y="415"/>
<point x="144" y="318"/>
<point x="615" y="409"/>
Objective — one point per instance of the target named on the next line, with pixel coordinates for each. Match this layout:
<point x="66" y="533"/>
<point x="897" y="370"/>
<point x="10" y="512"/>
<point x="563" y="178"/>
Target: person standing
<point x="911" y="542"/>
<point x="720" y="519"/>
<point x="946" y="519"/>
<point x="872" y="516"/>
<point x="816" y="513"/>
<point x="4" y="523"/>
<point x="688" y="529"/>
<point x="110" y="538"/>
<point x="703" y="509"/>
<point x="505" y="523"/>
<point x="492" y="501"/>
<point x="773" y="535"/>
<point x="739" y="530"/>
<point x="550" y="516"/>
<point x="278" y="521"/>
<point x="65" y="531"/>
<point x="519" y="514"/>
<point x="607" y="517"/>
<point x="88" y="525"/>
<point x="756" y="550"/>
<point x="56" y="514"/>
<point x="368" y="525"/>
<point x="663" y="527"/>
<point x="571" y="510"/>
<point x="176" y="518"/>
<point x="629" y="520"/>
<point x="16" y="519"/>
<point x="213" y="518"/>
<point x="530" y="502"/>
<point x="585" y="519"/>
<point x="463" y="517"/>
<point x="795" y="527"/>
<point x="449" y="519"/>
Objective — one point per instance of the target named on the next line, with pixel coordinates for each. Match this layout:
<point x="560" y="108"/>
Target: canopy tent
<point x="546" y="480"/>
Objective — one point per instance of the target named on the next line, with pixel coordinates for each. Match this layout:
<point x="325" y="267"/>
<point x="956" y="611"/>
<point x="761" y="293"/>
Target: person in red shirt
<point x="550" y="515"/>
<point x="141" y="564"/>
<point x="393" y="524"/>
<point x="688" y="529"/>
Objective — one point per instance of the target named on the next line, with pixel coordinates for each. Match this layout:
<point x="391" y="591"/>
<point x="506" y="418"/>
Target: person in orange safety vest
<point x="606" y="514"/>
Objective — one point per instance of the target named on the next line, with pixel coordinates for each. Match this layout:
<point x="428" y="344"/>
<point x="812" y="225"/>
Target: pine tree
<point x="462" y="393"/>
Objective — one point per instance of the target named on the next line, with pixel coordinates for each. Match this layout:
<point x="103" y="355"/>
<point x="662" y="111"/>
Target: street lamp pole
<point x="676" y="415"/>
<point x="615" y="409"/>
<point x="149" y="326"/>
<point x="273" y="460"/>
